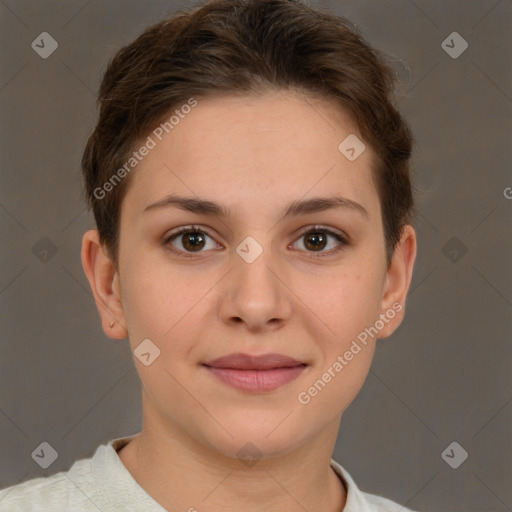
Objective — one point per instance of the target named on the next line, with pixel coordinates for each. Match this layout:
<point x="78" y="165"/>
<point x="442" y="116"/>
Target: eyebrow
<point x="295" y="208"/>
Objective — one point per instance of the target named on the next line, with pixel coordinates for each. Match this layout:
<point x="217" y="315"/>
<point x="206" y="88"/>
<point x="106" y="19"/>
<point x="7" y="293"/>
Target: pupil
<point x="316" y="237"/>
<point x="194" y="244"/>
<point x="314" y="240"/>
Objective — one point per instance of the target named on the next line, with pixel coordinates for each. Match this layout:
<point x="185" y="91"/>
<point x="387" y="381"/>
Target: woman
<point x="249" y="178"/>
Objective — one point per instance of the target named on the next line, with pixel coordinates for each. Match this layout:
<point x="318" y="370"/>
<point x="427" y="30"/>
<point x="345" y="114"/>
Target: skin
<point x="253" y="156"/>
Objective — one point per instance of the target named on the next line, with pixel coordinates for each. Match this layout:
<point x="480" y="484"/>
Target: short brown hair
<point x="246" y="47"/>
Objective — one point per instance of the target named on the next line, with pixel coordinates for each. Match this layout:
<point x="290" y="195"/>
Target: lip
<point x="240" y="361"/>
<point x="255" y="373"/>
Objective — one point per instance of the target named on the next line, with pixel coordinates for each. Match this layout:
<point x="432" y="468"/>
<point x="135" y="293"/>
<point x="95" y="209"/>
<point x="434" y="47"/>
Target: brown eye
<point x="192" y="241"/>
<point x="189" y="240"/>
<point x="316" y="239"/>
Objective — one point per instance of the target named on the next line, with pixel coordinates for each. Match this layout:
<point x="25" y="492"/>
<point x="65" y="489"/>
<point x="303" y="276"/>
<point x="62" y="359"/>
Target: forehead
<point x="256" y="153"/>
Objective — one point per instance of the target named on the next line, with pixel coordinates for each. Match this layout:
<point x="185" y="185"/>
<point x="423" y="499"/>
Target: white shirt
<point x="103" y="483"/>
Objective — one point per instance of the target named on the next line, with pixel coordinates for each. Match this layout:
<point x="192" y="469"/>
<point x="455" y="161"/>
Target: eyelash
<point x="315" y="229"/>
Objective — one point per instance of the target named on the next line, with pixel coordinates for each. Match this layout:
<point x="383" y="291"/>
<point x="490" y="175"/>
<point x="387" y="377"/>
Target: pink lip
<point x="256" y="373"/>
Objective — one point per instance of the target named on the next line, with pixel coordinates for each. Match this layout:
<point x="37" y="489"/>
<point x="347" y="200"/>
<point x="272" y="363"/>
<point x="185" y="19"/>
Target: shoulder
<point x="68" y="490"/>
<point x="380" y="504"/>
<point x="359" y="501"/>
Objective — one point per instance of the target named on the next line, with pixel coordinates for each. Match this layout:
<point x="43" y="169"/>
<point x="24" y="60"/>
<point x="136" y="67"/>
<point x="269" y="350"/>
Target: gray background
<point x="444" y="376"/>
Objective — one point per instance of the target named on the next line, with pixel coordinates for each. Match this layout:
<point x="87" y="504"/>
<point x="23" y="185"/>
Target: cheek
<point x="344" y="302"/>
<point x="166" y="303"/>
<point x="348" y="305"/>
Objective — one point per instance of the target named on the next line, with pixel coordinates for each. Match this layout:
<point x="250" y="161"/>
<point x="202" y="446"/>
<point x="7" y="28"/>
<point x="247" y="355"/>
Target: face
<point x="246" y="278"/>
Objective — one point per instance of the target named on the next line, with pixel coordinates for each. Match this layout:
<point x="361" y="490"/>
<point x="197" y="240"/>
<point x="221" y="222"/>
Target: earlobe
<point x="398" y="280"/>
<point x="102" y="275"/>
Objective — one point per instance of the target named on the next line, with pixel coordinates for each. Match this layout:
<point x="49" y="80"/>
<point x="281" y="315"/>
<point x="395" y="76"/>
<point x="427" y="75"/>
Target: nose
<point x="256" y="294"/>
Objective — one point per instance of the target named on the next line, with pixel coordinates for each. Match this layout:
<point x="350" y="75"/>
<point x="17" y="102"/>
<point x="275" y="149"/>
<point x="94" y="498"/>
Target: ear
<point x="398" y="280"/>
<point x="104" y="281"/>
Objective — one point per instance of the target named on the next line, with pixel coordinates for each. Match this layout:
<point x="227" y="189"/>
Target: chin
<point x="256" y="439"/>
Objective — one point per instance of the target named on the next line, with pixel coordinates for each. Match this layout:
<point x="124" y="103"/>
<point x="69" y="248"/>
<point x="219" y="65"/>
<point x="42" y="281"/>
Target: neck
<point x="180" y="474"/>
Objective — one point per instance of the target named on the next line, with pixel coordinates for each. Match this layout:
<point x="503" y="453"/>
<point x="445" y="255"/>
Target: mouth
<point x="255" y="373"/>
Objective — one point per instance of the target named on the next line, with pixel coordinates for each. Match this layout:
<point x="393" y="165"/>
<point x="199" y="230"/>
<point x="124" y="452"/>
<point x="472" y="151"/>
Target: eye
<point x="316" y="239"/>
<point x="192" y="240"/>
